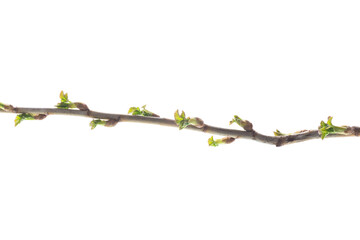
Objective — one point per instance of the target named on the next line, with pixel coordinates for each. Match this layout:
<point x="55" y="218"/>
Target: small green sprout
<point x="328" y="128"/>
<point x="182" y="121"/>
<point x="144" y="112"/>
<point x="217" y="142"/>
<point x="6" y="107"/>
<point x="106" y="123"/>
<point x="28" y="116"/>
<point x="66" y="104"/>
<point x="245" y="124"/>
<point x="278" y="133"/>
<point x="96" y="122"/>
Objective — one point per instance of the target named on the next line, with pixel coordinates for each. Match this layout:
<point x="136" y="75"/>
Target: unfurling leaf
<point x="328" y="128"/>
<point x="6" y="107"/>
<point x="64" y="97"/>
<point x="217" y="142"/>
<point x="28" y="116"/>
<point x="212" y="142"/>
<point x="106" y="123"/>
<point x="96" y="122"/>
<point x="278" y="133"/>
<point x="144" y="112"/>
<point x="134" y="111"/>
<point x="66" y="104"/>
<point x="245" y="124"/>
<point x="23" y="116"/>
<point x="181" y="120"/>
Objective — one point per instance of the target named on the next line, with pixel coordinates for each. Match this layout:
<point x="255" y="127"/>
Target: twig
<point x="180" y="121"/>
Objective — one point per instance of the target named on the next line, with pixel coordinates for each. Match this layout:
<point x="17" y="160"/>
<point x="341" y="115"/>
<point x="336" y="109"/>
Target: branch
<point x="66" y="107"/>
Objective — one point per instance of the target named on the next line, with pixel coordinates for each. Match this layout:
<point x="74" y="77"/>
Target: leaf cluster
<point x="245" y="124"/>
<point x="64" y="101"/>
<point x="328" y="128"/>
<point x="279" y="134"/>
<point x="106" y="123"/>
<point x="136" y="111"/>
<point x="23" y="116"/>
<point x="94" y="123"/>
<point x="214" y="143"/>
<point x="181" y="120"/>
<point x="6" y="107"/>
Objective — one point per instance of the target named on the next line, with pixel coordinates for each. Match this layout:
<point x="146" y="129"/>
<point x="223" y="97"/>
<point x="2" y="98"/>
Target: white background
<point x="279" y="64"/>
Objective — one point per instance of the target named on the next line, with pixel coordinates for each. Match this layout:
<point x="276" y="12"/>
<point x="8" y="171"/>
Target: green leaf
<point x="18" y="120"/>
<point x="328" y="128"/>
<point x="23" y="116"/>
<point x="96" y="122"/>
<point x="6" y="107"/>
<point x="144" y="112"/>
<point x="245" y="124"/>
<point x="217" y="142"/>
<point x="212" y="142"/>
<point x="181" y="120"/>
<point x="65" y="103"/>
<point x="177" y="116"/>
<point x="278" y="133"/>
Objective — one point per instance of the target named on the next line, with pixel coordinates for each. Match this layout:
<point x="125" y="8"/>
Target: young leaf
<point x="181" y="120"/>
<point x="212" y="142"/>
<point x="106" y="123"/>
<point x="217" y="142"/>
<point x="6" y="107"/>
<point x="144" y="112"/>
<point x="134" y="111"/>
<point x="66" y="104"/>
<point x="64" y="97"/>
<point x="96" y="122"/>
<point x="23" y="116"/>
<point x="278" y="133"/>
<point x="328" y="128"/>
<point x="245" y="124"/>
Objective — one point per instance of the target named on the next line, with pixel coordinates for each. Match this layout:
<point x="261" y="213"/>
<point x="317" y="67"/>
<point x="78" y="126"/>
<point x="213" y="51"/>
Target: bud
<point x="278" y="133"/>
<point x="81" y="106"/>
<point x="7" y="108"/>
<point x="111" y="123"/>
<point x="217" y="142"/>
<point x="245" y="124"/>
<point x="144" y="112"/>
<point x="227" y="140"/>
<point x="197" y="122"/>
<point x="39" y="116"/>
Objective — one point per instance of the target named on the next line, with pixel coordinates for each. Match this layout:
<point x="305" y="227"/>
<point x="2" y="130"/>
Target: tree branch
<point x="195" y="124"/>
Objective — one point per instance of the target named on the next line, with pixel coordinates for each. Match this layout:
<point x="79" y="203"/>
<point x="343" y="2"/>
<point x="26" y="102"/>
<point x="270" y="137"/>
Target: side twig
<point x="65" y="107"/>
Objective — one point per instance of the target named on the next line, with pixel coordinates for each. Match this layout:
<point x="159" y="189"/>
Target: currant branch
<point x="181" y="121"/>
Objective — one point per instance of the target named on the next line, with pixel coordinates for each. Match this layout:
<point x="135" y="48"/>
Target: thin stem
<point x="252" y="134"/>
